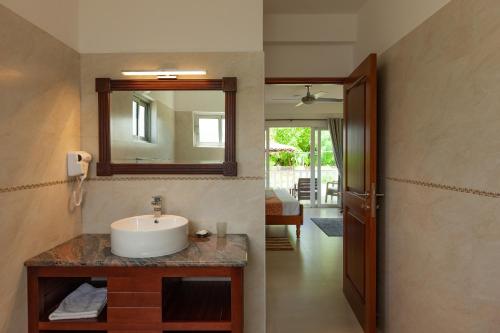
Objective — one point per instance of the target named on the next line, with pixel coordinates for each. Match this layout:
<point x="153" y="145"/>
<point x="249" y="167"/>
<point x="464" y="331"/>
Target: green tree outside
<point x="299" y="138"/>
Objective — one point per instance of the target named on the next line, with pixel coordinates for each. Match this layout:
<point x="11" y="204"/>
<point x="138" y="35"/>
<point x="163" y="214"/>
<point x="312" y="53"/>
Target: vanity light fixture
<point x="163" y="73"/>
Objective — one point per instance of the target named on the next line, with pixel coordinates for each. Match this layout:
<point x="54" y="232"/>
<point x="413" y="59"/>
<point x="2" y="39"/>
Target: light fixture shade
<point x="167" y="76"/>
<point x="163" y="72"/>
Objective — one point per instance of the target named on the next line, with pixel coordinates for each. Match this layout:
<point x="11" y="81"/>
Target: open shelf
<point x="196" y="301"/>
<point x="52" y="291"/>
<point x="141" y="299"/>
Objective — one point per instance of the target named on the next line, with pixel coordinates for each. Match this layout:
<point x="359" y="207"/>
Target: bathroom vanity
<point x="199" y="289"/>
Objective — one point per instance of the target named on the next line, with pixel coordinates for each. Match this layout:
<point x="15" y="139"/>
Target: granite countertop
<point x="95" y="250"/>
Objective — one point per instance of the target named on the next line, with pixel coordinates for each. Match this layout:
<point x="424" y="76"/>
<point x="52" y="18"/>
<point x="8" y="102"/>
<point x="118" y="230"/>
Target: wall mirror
<point x="167" y="126"/>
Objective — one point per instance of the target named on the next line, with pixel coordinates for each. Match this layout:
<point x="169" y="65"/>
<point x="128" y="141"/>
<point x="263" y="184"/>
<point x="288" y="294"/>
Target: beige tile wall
<point x="440" y="252"/>
<point x="239" y="202"/>
<point x="39" y="123"/>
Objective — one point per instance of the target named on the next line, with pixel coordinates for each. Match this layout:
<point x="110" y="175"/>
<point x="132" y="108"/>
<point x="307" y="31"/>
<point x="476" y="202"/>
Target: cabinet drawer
<point x="144" y="284"/>
<point x="134" y="299"/>
<point x="134" y="315"/>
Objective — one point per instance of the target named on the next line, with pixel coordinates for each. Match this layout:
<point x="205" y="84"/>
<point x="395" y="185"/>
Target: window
<point x="141" y="119"/>
<point x="209" y="129"/>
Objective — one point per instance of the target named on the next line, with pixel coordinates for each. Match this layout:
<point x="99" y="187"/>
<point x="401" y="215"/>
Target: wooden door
<point x="360" y="208"/>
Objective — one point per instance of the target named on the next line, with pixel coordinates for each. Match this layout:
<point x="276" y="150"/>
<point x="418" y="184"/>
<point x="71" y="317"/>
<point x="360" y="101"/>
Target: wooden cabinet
<point x="141" y="299"/>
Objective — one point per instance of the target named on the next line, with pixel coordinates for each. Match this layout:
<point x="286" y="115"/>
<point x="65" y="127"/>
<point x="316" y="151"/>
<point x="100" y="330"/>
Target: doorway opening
<point x="304" y="284"/>
<point x="320" y="171"/>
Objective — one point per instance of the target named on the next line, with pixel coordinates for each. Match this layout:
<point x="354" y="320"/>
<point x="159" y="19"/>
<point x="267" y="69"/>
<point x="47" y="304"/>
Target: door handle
<point x="372" y="203"/>
<point x="362" y="196"/>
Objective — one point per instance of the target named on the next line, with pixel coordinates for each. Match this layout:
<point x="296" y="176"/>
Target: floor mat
<point x="333" y="227"/>
<point x="278" y="244"/>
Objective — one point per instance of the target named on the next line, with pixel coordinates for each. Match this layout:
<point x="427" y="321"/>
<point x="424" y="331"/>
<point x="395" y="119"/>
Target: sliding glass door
<point x="300" y="159"/>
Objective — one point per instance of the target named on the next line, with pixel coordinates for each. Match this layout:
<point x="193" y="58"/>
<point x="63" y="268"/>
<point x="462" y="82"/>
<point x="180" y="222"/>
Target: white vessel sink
<point x="146" y="236"/>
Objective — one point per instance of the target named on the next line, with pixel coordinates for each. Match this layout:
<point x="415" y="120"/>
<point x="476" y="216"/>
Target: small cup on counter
<point x="221" y="229"/>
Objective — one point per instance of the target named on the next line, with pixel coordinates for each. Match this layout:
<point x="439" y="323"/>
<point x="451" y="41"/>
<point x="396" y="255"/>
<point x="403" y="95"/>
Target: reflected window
<point x="209" y="129"/>
<point x="141" y="119"/>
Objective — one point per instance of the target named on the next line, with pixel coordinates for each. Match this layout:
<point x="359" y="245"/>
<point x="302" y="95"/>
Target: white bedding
<point x="291" y="205"/>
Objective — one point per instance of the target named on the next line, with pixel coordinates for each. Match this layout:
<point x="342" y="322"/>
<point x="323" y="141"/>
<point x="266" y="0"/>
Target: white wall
<point x="125" y="26"/>
<point x="57" y="17"/>
<point x="209" y="101"/>
<point x="317" y="59"/>
<point x="93" y="26"/>
<point x="186" y="152"/>
<point x="170" y="26"/>
<point x="309" y="45"/>
<point x="381" y="23"/>
<point x="310" y="28"/>
<point x="186" y="102"/>
<point x="124" y="147"/>
<point x="332" y="44"/>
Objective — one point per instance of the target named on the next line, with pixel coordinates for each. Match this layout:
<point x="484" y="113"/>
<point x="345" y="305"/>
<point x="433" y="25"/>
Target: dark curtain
<point x="335" y="126"/>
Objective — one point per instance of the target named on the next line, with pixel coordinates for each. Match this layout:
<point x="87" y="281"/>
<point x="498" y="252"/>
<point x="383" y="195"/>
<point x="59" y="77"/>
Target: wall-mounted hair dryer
<point x="78" y="166"/>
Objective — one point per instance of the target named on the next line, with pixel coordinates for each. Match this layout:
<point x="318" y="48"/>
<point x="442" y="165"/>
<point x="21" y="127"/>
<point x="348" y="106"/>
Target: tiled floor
<point x="304" y="287"/>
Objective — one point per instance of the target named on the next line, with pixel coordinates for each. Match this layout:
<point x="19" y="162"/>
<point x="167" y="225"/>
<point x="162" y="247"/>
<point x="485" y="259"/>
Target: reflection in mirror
<point x="167" y="127"/>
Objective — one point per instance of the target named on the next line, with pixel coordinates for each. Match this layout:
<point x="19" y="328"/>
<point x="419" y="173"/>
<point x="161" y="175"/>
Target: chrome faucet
<point x="157" y="206"/>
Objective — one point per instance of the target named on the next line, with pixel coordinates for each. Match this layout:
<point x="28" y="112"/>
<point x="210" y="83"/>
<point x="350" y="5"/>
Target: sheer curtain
<point x="335" y="126"/>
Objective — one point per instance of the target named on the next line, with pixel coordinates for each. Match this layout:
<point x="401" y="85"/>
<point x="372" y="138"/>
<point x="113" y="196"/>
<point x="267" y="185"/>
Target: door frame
<point x="306" y="80"/>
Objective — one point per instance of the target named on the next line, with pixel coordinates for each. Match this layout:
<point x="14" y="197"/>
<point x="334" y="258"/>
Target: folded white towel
<point x="85" y="302"/>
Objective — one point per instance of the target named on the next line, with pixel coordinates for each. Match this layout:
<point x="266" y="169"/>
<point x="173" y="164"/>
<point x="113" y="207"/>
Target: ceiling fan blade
<point x="285" y="99"/>
<point x="319" y="94"/>
<point x="331" y="100"/>
<point x="300" y="104"/>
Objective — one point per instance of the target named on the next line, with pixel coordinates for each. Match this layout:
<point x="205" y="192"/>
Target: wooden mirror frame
<point x="105" y="86"/>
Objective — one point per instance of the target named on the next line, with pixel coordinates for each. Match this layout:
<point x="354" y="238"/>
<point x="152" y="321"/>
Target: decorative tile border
<point x="34" y="186"/>
<point x="122" y="179"/>
<point x="170" y="178"/>
<point x="244" y="178"/>
<point x="446" y="187"/>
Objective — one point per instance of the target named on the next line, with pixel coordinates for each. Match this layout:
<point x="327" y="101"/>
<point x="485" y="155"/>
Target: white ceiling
<point x="312" y="6"/>
<point x="280" y="101"/>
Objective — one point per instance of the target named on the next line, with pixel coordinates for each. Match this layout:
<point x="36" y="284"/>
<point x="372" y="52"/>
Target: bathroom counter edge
<point x="94" y="250"/>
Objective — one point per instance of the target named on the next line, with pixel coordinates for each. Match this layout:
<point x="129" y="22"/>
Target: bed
<point x="283" y="209"/>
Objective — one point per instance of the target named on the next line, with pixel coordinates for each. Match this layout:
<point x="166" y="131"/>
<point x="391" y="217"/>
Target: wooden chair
<point x="303" y="189"/>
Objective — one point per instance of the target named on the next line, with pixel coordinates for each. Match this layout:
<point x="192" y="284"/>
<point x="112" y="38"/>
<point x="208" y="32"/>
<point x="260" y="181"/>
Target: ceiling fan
<point x="313" y="98"/>
<point x="310" y="98"/>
